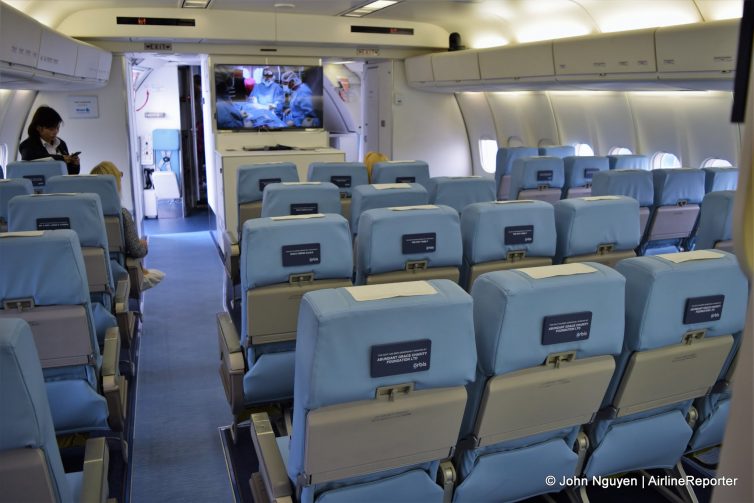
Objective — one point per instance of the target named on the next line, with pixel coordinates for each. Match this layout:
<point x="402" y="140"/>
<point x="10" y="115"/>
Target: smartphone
<point x="75" y="153"/>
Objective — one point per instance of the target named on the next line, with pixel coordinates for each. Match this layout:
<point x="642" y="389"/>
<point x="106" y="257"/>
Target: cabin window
<point x="665" y="160"/>
<point x="619" y="151"/>
<point x="487" y="154"/>
<point x="714" y="162"/>
<point x="515" y="141"/>
<point x="3" y="155"/>
<point x="583" y="149"/>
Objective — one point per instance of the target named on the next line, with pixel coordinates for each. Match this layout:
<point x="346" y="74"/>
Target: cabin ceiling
<point x="481" y="23"/>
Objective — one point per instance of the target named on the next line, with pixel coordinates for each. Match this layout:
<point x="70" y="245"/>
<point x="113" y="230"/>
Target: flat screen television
<point x="268" y="97"/>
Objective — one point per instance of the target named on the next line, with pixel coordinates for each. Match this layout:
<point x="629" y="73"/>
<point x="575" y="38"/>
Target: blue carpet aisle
<point x="180" y="403"/>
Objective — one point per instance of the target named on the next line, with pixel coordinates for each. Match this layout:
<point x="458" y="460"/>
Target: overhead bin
<point x="701" y="51"/>
<point x="617" y="56"/>
<point x="517" y="62"/>
<point x="455" y="66"/>
<point x="33" y="56"/>
<point x="419" y="69"/>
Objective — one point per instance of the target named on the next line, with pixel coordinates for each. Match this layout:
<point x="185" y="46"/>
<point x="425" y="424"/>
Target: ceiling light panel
<point x="369" y="8"/>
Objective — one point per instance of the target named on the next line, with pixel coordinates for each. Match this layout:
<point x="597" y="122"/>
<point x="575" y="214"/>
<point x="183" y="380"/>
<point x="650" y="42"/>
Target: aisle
<point x="180" y="403"/>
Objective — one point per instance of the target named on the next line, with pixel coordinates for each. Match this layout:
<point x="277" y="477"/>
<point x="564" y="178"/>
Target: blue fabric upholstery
<point x="381" y="232"/>
<point x="585" y="223"/>
<point x="509" y="309"/>
<point x="561" y="151"/>
<point x="580" y="170"/>
<point x="85" y="216"/>
<point x="24" y="410"/>
<point x="270" y="374"/>
<point x="335" y="337"/>
<point x="632" y="183"/>
<point x="36" y="171"/>
<point x="287" y="198"/>
<point x="102" y="185"/>
<point x="716" y="179"/>
<point x="483" y="230"/>
<point x="10" y="188"/>
<point x="249" y="177"/>
<point x="49" y="268"/>
<point x="674" y="185"/>
<point x="398" y="171"/>
<point x="629" y="161"/>
<point x="368" y="197"/>
<point x="333" y="172"/>
<point x="461" y="191"/>
<point x="710" y="427"/>
<point x="715" y="219"/>
<point x="656" y="294"/>
<point x="504" y="161"/>
<point x="528" y="170"/>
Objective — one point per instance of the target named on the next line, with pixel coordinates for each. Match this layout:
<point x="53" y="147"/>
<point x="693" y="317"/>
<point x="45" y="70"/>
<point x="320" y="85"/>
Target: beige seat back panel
<point x="672" y="222"/>
<point x="24" y="476"/>
<point x="451" y="273"/>
<point x="608" y="259"/>
<point x="96" y="269"/>
<point x="548" y="195"/>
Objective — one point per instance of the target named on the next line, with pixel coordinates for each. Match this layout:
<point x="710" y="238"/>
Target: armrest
<point x="271" y="465"/>
<point x="114" y="386"/>
<point x="136" y="276"/>
<point x="232" y="362"/>
<point x="447" y="477"/>
<point x="96" y="462"/>
<point x="123" y="286"/>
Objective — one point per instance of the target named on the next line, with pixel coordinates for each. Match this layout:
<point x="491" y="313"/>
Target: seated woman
<point x="43" y="141"/>
<point x="135" y="246"/>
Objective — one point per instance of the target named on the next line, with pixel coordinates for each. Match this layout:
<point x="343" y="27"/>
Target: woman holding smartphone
<point x="43" y="140"/>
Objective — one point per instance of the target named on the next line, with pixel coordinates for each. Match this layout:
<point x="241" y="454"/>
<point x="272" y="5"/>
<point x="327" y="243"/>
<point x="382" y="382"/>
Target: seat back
<point x="300" y="198"/>
<point x="677" y="196"/>
<point x="504" y="164"/>
<point x="539" y="178"/>
<point x="36" y="171"/>
<point x="30" y="465"/>
<point x="629" y="161"/>
<point x="506" y="234"/>
<point x="81" y="213"/>
<point x="281" y="259"/>
<point x="579" y="172"/>
<point x="408" y="243"/>
<point x="602" y="229"/>
<point x="461" y="191"/>
<point x="682" y="310"/>
<point x="43" y="281"/>
<point x="412" y="356"/>
<point x="9" y="188"/>
<point x="251" y="181"/>
<point x="346" y="175"/>
<point x="401" y="172"/>
<point x="716" y="179"/>
<point x="561" y="151"/>
<point x="716" y="221"/>
<point x="385" y="195"/>
<point x="546" y="340"/>
<point x="632" y="183"/>
<point x="104" y="186"/>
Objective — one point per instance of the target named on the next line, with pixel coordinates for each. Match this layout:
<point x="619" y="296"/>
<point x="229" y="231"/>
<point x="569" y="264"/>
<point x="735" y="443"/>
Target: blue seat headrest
<point x="10" y="188"/>
<point x="103" y="185"/>
<point x="720" y="179"/>
<point x="660" y="295"/>
<point x="491" y="230"/>
<point x="401" y="172"/>
<point x="585" y="223"/>
<point x="295" y="198"/>
<point x="511" y="307"/>
<point x="629" y="161"/>
<point x="368" y="197"/>
<point x="632" y="183"/>
<point x="532" y="172"/>
<point x="274" y="248"/>
<point x="459" y="192"/>
<point x="580" y="170"/>
<point x="346" y="175"/>
<point x="674" y="185"/>
<point x="505" y="157"/>
<point x="390" y="237"/>
<point x="252" y="179"/>
<point x="36" y="171"/>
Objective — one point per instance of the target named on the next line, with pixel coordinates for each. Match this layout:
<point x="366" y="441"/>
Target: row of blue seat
<point x="554" y="371"/>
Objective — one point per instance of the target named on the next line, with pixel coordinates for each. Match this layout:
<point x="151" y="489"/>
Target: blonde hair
<point x="108" y="168"/>
<point x="371" y="158"/>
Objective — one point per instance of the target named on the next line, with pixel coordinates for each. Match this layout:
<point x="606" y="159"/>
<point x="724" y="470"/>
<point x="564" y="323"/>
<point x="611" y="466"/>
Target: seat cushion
<point x="75" y="406"/>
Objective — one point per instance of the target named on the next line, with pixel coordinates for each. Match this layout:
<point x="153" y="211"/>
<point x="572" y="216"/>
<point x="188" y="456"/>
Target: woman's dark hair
<point x="44" y="117"/>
